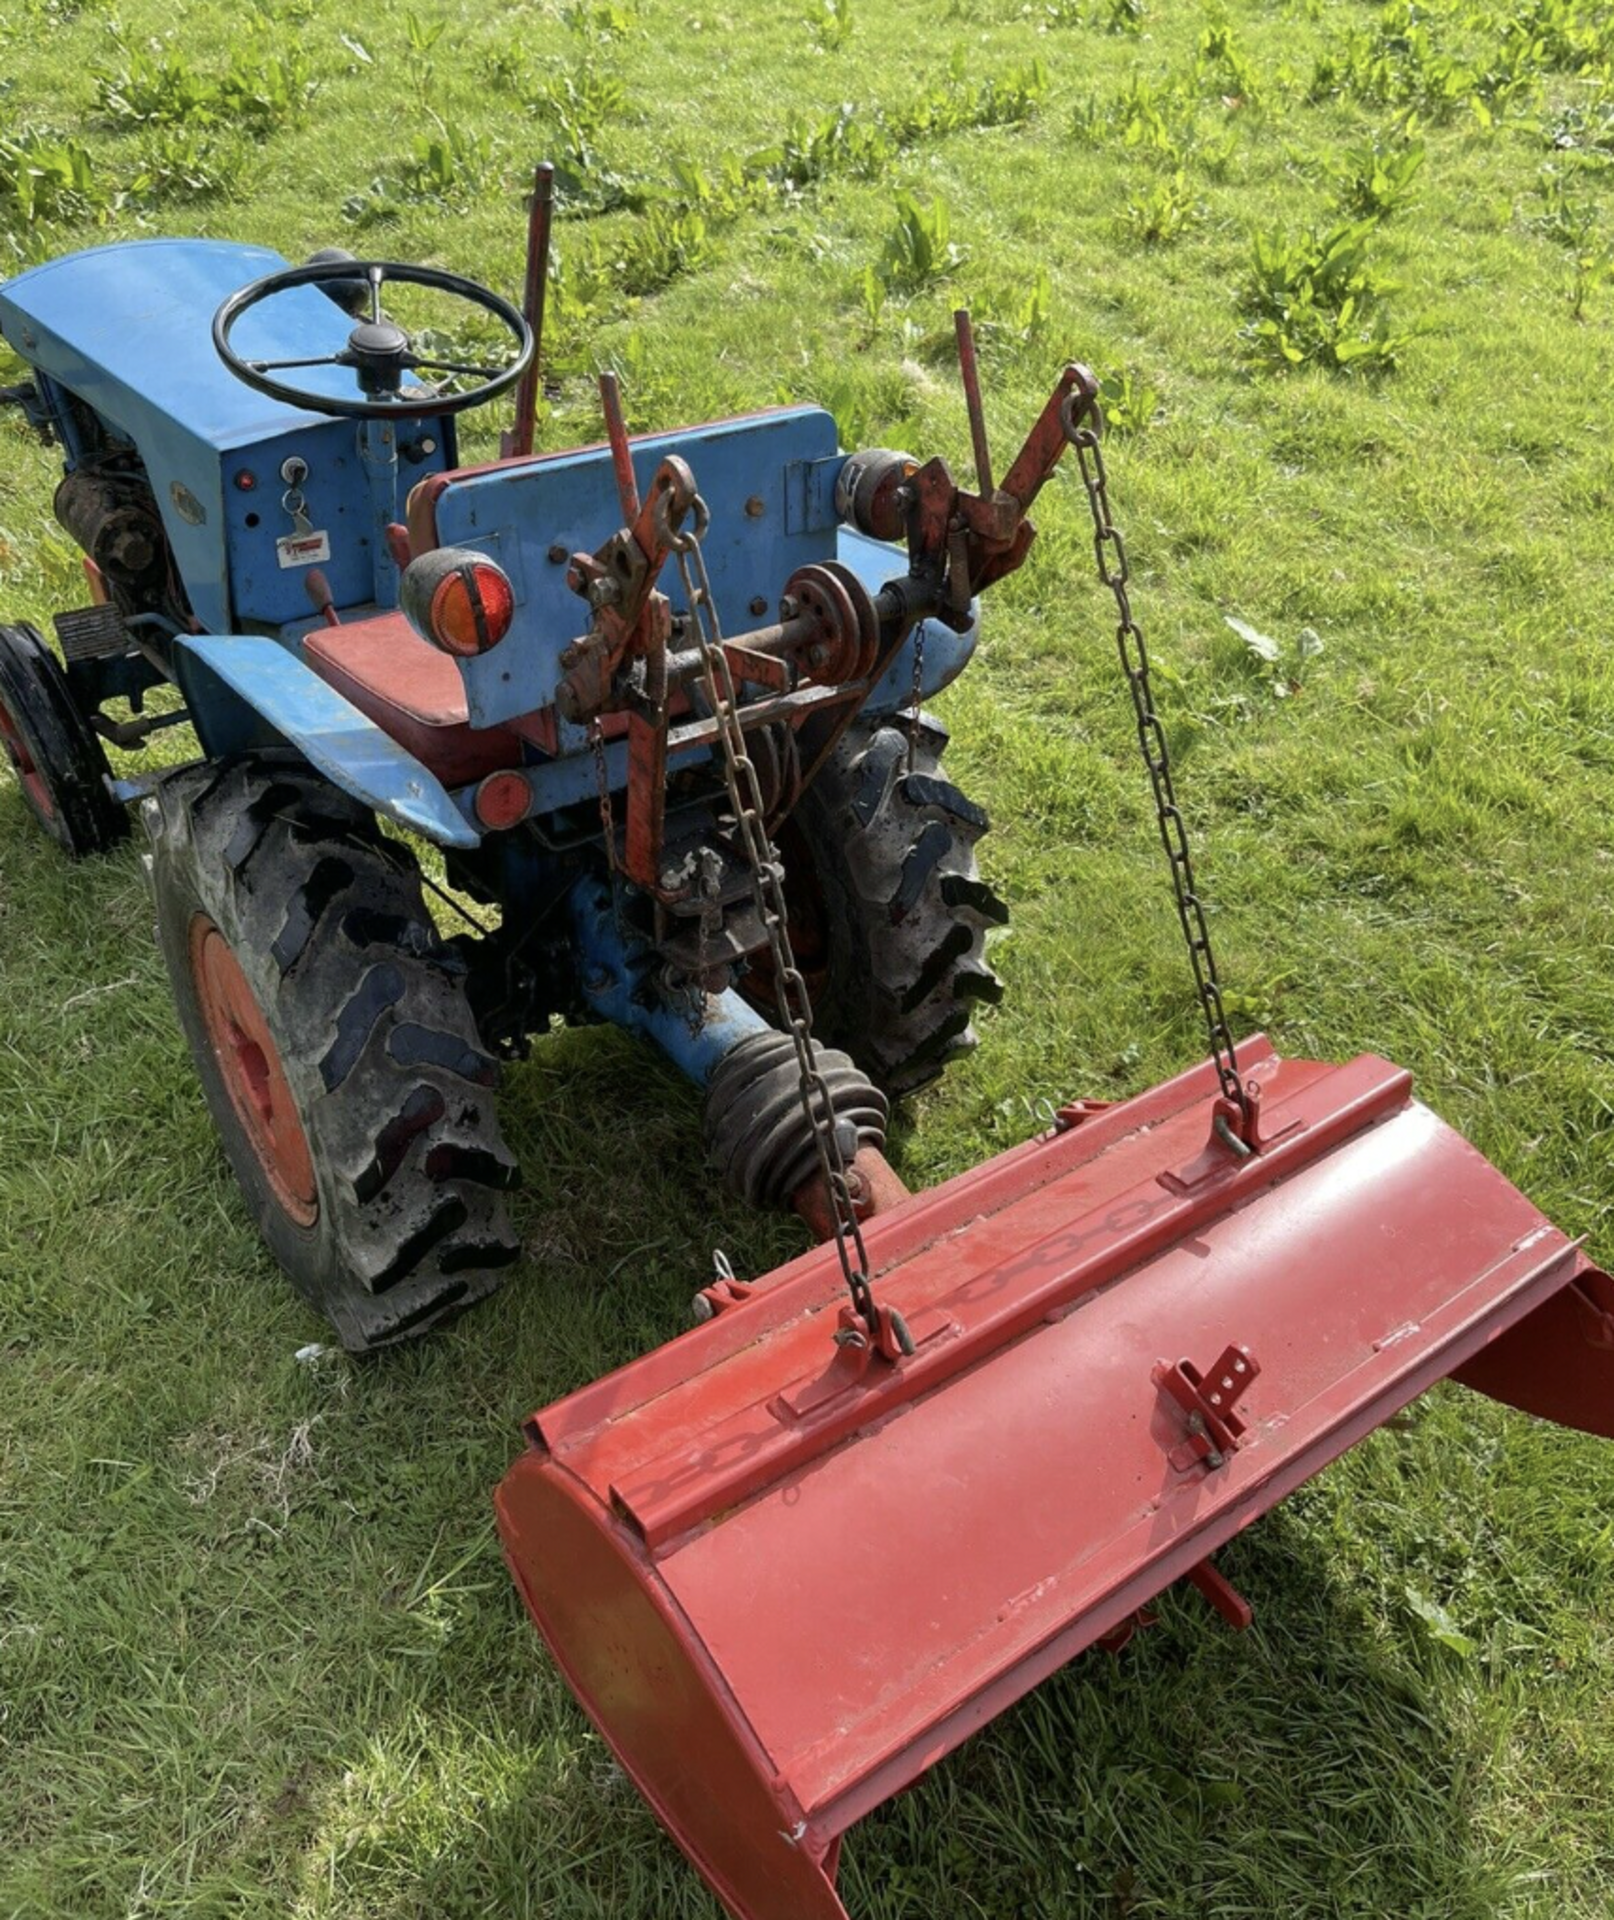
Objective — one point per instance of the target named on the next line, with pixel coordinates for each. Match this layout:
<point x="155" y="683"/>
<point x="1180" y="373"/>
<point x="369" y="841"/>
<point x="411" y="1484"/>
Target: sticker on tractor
<point x="303" y="549"/>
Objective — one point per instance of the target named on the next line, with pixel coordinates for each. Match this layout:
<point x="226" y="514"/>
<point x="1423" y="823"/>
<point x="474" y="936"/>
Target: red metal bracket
<point x="721" y="1296"/>
<point x="1119" y="1638"/>
<point x="1215" y="1426"/>
<point x="1209" y="1580"/>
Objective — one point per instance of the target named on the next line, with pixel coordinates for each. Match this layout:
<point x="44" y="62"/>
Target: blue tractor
<point x="702" y="799"/>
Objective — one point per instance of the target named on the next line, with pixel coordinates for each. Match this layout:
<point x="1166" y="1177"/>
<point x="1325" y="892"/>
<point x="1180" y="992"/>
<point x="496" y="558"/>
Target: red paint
<point x="503" y="800"/>
<point x="249" y="1065"/>
<point x="786" y="1578"/>
<point x="18" y="752"/>
<point x="412" y="692"/>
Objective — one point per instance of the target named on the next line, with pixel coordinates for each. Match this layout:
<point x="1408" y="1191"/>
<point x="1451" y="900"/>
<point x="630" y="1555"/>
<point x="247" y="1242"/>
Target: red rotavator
<point x="785" y="1576"/>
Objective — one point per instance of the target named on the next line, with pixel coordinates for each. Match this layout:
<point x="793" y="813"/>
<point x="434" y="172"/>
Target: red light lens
<point x="503" y="800"/>
<point x="246" y="481"/>
<point x="471" y="609"/>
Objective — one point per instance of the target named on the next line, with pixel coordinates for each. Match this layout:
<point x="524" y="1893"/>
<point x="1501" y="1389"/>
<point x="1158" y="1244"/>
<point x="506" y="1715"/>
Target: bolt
<point x="755" y="507"/>
<point x="558" y="556"/>
<point x="789" y="607"/>
<point x="700" y="1309"/>
<point x="758" y="605"/>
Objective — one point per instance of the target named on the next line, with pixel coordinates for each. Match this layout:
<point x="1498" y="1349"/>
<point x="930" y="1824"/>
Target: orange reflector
<point x="503" y="800"/>
<point x="471" y="609"/>
<point x="459" y="600"/>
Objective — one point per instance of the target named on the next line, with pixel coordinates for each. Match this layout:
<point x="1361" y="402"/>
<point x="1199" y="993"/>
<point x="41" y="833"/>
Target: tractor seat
<point x="412" y="692"/>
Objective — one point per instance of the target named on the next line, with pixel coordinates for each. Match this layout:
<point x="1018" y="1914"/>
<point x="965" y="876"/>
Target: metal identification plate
<point x="303" y="549"/>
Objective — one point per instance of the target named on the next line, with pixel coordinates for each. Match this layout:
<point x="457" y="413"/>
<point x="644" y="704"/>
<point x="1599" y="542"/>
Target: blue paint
<point x="617" y="977"/>
<point x="378" y="455"/>
<point x="246" y="690"/>
<point x="127" y="328"/>
<point x="946" y="654"/>
<point x="785" y="460"/>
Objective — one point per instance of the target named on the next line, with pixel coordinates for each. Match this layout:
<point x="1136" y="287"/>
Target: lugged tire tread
<point x="908" y="911"/>
<point x="412" y="1168"/>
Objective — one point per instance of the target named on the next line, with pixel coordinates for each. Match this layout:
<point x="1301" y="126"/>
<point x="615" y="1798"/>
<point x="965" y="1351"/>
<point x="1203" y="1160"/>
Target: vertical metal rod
<point x="621" y="457"/>
<point x="519" y="440"/>
<point x="972" y="398"/>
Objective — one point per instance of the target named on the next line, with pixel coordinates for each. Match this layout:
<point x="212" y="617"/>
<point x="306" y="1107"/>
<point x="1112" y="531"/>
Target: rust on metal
<point x="518" y="442"/>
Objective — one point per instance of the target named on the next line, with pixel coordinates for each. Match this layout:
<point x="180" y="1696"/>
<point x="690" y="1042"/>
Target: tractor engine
<point x="109" y="510"/>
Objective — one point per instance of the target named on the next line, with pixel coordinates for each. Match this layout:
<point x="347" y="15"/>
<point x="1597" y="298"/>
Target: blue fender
<point x="246" y="690"/>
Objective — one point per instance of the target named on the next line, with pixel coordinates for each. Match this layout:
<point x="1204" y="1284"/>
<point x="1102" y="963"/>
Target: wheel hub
<point x="249" y="1065"/>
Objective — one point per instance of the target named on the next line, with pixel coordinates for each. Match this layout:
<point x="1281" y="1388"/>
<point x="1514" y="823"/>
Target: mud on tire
<point x="900" y="906"/>
<point x="395" y="1216"/>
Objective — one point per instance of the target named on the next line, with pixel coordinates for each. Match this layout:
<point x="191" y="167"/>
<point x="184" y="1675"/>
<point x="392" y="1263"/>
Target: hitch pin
<point x="1239" y="1148"/>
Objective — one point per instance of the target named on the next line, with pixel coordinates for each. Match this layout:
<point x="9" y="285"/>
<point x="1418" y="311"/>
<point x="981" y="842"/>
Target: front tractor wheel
<point x="58" y="761"/>
<point x="888" y="912"/>
<point x="335" y="1045"/>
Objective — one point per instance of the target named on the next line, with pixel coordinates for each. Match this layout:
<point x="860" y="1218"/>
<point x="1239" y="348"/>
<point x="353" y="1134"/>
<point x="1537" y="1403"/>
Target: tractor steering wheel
<point x="379" y="353"/>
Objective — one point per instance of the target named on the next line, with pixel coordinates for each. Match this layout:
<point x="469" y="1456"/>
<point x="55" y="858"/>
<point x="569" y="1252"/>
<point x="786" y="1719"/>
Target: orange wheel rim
<point x="22" y="761"/>
<point x="250" y="1067"/>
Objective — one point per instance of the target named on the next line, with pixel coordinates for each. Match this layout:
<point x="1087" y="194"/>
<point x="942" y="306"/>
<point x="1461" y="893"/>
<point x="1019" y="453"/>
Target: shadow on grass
<point x="1305" y="1770"/>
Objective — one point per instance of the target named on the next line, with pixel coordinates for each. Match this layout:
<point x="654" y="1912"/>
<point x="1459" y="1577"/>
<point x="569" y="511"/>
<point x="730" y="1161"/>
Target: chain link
<point x="602" y="783"/>
<point x="1110" y="550"/>
<point x="917" y="693"/>
<point x="767" y="885"/>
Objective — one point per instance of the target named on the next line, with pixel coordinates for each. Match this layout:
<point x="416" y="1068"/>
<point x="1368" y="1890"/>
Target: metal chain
<point x="602" y="783"/>
<point x="767" y="886"/>
<point x="917" y="692"/>
<point x="1110" y="549"/>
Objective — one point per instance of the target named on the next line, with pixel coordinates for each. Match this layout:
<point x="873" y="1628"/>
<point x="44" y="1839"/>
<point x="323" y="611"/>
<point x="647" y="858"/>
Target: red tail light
<point x="458" y="600"/>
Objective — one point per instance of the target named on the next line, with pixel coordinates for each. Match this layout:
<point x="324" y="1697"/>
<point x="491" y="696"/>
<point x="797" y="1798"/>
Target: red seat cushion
<point x="412" y="692"/>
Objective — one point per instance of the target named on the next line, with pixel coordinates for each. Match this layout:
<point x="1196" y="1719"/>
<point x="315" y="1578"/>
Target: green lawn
<point x="258" y="1654"/>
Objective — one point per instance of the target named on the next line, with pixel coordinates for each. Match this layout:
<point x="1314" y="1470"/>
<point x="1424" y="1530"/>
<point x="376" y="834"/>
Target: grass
<point x="257" y="1652"/>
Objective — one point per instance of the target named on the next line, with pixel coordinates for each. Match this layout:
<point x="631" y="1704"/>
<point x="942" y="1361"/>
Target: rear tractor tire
<point x="888" y="910"/>
<point x="335" y="1045"/>
<point x="58" y="761"/>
